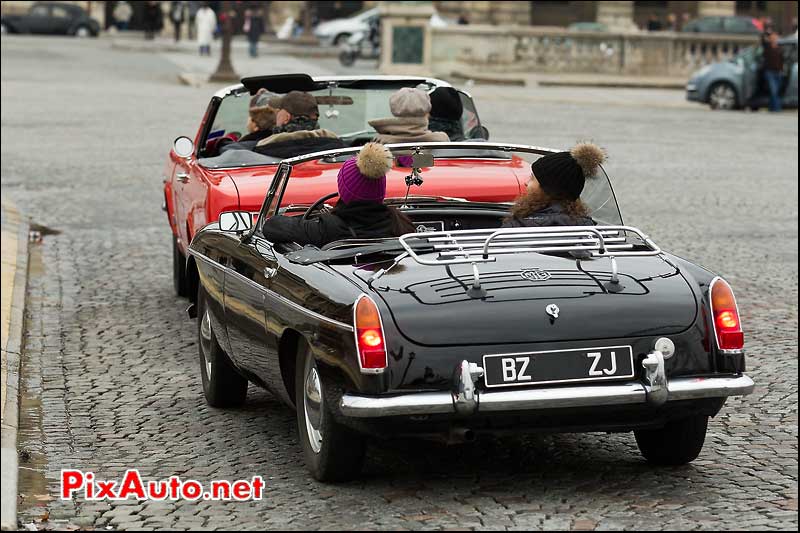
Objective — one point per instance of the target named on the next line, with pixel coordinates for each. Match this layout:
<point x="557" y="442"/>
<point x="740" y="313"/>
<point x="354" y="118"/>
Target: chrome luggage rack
<point x="484" y="245"/>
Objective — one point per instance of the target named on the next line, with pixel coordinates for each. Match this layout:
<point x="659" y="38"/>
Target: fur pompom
<point x="589" y="156"/>
<point x="374" y="160"/>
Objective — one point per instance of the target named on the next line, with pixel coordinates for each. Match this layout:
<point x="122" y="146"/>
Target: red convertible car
<point x="201" y="181"/>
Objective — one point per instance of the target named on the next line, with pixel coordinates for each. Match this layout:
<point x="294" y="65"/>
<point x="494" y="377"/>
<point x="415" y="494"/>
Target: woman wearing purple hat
<point x="360" y="212"/>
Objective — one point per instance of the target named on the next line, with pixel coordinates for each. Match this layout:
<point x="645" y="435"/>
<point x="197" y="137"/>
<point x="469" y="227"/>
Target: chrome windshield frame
<point x="279" y="181"/>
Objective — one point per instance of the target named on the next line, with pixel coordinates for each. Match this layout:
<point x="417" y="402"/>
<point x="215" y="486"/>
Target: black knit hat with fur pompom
<point x="562" y="175"/>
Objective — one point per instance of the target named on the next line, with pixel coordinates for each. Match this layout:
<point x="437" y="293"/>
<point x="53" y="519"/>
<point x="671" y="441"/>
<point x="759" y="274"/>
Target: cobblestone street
<point x="110" y="368"/>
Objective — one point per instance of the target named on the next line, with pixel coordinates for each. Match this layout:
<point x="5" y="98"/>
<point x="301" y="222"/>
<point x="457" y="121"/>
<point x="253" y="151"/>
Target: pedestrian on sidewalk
<point x="206" y="24"/>
<point x="177" y="16"/>
<point x="153" y="19"/>
<point x="773" y="71"/>
<point x="253" y="28"/>
<point x="653" y="23"/>
<point x="192" y="11"/>
<point x="122" y="15"/>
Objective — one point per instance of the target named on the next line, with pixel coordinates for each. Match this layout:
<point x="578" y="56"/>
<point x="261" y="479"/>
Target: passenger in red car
<point x="360" y="212"/>
<point x="260" y="121"/>
<point x="410" y="109"/>
<point x="297" y="130"/>
<point x="553" y="194"/>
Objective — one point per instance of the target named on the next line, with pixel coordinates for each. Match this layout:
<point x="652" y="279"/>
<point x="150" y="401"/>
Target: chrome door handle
<point x="270" y="272"/>
<point x="183" y="177"/>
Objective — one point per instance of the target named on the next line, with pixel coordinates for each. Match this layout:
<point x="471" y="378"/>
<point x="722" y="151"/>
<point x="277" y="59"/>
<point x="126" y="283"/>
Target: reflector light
<point x="725" y="312"/>
<point x="369" y="336"/>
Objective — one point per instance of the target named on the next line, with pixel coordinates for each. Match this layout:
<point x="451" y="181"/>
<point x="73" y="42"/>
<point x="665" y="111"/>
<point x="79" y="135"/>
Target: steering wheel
<point x="313" y="207"/>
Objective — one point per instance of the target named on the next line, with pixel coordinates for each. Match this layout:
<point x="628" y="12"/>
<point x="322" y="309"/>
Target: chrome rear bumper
<point x="653" y="391"/>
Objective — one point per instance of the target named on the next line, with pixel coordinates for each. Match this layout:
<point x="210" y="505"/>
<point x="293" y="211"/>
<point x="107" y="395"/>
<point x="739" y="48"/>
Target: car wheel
<point x="340" y="39"/>
<point x="333" y="452"/>
<point x="347" y="58"/>
<point x="677" y="443"/>
<point x="179" y="280"/>
<point x="223" y="386"/>
<point x="83" y="32"/>
<point x="3" y="28"/>
<point x="722" y="96"/>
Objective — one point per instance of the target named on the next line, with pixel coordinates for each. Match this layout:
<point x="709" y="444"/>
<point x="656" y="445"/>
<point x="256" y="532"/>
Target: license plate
<point x="558" y="366"/>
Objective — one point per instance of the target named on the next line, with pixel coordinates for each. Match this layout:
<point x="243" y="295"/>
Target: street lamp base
<point x="227" y="76"/>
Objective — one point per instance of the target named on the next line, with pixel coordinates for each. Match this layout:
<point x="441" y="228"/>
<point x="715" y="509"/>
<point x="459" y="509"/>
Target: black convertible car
<point x="464" y="328"/>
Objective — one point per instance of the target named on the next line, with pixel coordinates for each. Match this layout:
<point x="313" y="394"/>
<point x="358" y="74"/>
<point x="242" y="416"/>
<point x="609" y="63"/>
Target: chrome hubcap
<point x="205" y="342"/>
<point x="723" y="97"/>
<point x="82" y="32"/>
<point x="312" y="405"/>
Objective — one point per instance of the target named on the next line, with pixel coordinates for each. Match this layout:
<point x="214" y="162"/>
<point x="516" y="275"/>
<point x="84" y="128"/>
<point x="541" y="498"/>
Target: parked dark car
<point x="52" y="18"/>
<point x="463" y="328"/>
<point x="731" y="24"/>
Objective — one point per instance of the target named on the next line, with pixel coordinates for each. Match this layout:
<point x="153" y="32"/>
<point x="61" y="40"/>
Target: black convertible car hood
<point x="430" y="305"/>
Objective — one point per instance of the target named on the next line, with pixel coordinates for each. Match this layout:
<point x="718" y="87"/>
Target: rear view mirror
<point x="183" y="147"/>
<point x="235" y="221"/>
<point x="421" y="160"/>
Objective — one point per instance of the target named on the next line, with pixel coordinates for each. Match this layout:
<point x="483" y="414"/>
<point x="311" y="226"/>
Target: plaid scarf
<point x="298" y="123"/>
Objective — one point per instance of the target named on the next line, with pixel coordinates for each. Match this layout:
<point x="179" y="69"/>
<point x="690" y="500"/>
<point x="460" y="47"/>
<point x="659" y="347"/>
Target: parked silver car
<point x="737" y="83"/>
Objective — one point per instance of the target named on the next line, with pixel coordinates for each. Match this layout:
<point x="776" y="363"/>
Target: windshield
<point x="455" y="182"/>
<point x="751" y="54"/>
<point x="345" y="111"/>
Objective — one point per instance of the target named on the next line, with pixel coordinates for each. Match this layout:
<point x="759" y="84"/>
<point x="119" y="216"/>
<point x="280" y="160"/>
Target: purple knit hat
<point x="363" y="178"/>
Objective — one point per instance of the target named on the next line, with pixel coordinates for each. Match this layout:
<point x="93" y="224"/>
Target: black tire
<point x="339" y="455"/>
<point x="223" y="386"/>
<point x="347" y="58"/>
<point x="83" y="31"/>
<point x="341" y="38"/>
<point x="677" y="443"/>
<point x="723" y="96"/>
<point x="179" y="280"/>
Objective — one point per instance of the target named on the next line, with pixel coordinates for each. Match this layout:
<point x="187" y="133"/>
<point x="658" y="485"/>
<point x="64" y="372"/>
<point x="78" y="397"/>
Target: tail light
<point x="370" y="341"/>
<point x="725" y="313"/>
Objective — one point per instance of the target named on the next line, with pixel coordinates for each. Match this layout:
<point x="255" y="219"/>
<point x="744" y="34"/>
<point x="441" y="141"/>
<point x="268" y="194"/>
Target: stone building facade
<point x="618" y="15"/>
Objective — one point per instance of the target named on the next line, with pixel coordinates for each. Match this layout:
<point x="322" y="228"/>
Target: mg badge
<point x="552" y="310"/>
<point x="535" y="274"/>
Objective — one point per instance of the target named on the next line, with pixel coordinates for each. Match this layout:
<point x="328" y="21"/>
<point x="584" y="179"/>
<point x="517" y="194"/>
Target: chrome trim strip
<point x="273" y="294"/>
<point x="697" y="388"/>
<point x="427" y="403"/>
<point x="309" y="312"/>
<point x="504" y="147"/>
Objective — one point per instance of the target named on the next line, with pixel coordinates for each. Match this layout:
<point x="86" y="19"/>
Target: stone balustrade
<point x="545" y="49"/>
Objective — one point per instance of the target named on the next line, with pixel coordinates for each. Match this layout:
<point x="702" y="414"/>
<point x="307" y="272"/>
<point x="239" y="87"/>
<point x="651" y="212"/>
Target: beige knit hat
<point x="410" y="102"/>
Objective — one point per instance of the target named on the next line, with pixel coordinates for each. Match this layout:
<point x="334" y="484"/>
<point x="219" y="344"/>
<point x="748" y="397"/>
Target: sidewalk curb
<point x="613" y="84"/>
<point x="292" y="49"/>
<point x="12" y="350"/>
<point x="489" y="78"/>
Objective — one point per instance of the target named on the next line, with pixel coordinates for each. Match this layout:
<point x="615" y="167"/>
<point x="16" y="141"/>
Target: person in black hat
<point x="554" y="190"/>
<point x="446" y="111"/>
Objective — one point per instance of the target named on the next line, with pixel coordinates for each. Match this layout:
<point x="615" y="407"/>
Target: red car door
<point x="191" y="194"/>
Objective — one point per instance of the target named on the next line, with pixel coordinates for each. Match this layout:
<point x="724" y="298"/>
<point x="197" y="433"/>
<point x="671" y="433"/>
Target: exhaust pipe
<point x="458" y="435"/>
